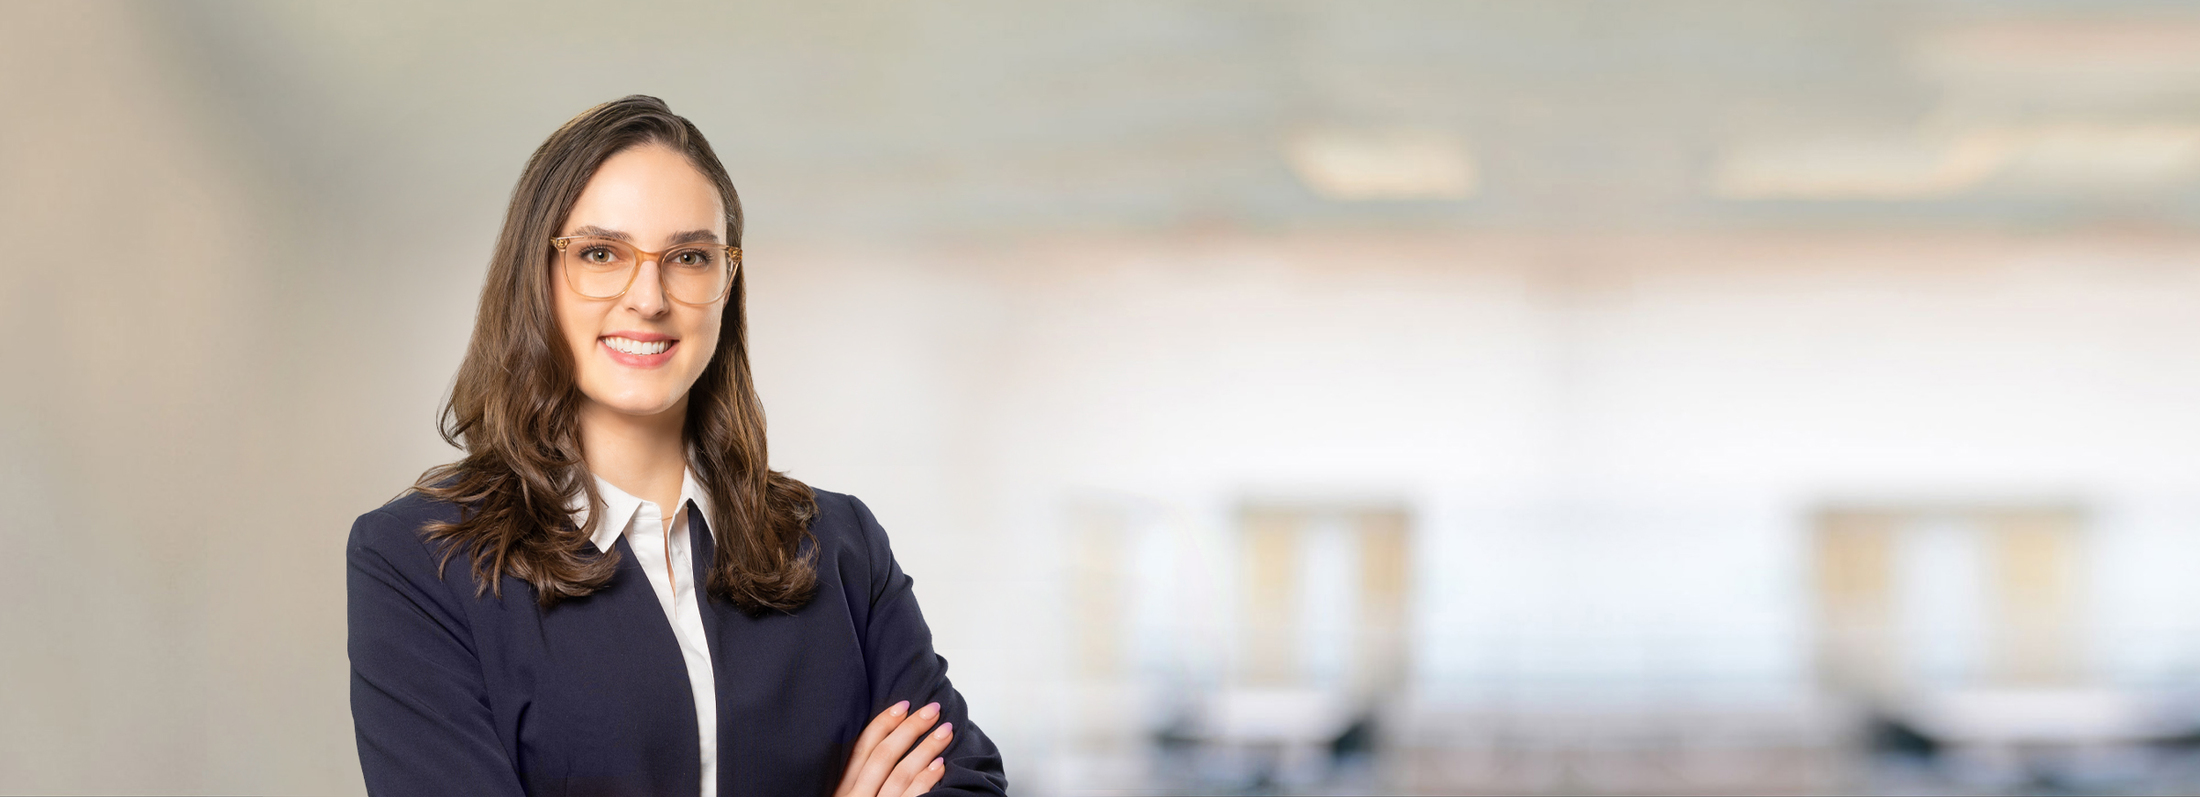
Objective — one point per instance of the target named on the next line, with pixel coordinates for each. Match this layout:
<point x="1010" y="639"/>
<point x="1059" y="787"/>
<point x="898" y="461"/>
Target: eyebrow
<point x="691" y="236"/>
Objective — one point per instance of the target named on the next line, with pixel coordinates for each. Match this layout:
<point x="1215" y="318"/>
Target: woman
<point x="612" y="593"/>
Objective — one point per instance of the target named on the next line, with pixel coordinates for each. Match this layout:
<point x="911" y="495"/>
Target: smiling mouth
<point x="637" y="347"/>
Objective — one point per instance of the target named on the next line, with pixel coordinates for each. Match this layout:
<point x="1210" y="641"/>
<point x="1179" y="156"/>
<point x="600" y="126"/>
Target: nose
<point x="646" y="297"/>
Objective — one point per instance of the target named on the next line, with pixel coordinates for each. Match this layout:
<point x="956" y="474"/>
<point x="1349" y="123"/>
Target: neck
<point x="644" y="455"/>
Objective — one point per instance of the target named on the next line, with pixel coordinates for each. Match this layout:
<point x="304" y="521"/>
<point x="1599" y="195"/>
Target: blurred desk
<point x="2040" y="716"/>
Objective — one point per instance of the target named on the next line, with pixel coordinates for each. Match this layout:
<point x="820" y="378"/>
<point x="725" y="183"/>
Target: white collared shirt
<point x="667" y="559"/>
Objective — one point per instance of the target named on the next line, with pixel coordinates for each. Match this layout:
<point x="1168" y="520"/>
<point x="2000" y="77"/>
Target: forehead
<point x="647" y="192"/>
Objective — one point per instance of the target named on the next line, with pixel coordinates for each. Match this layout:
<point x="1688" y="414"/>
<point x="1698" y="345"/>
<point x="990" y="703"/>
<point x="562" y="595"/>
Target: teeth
<point x="638" y="347"/>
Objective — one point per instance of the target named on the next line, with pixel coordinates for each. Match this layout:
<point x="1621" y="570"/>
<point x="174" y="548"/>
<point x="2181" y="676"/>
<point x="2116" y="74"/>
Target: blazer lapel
<point x="791" y="694"/>
<point x="621" y="688"/>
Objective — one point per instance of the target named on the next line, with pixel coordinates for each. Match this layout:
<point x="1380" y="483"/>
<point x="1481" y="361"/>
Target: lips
<point x="639" y="351"/>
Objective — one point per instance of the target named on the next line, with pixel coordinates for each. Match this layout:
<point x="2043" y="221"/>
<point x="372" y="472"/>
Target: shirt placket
<point x="653" y="547"/>
<point x="676" y="558"/>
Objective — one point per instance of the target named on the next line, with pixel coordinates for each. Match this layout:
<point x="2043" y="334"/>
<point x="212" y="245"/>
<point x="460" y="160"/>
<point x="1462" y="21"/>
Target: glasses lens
<point x="696" y="275"/>
<point x="598" y="267"/>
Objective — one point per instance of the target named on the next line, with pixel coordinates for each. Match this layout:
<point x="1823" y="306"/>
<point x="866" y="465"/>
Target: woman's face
<point x="639" y="353"/>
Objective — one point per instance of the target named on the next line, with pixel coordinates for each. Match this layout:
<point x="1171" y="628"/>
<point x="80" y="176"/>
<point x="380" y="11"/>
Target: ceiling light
<point x="1382" y="164"/>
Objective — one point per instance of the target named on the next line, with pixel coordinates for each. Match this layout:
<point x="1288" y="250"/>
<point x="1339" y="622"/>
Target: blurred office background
<point x="1268" y="397"/>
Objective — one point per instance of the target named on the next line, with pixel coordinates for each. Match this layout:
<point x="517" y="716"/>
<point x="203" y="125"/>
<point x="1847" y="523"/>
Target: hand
<point x="873" y="770"/>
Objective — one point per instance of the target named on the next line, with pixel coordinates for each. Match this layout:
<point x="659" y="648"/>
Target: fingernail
<point x="899" y="708"/>
<point x="935" y="763"/>
<point x="930" y="710"/>
<point x="942" y="732"/>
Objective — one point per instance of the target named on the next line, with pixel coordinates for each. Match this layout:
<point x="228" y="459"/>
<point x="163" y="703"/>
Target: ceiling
<point x="886" y="120"/>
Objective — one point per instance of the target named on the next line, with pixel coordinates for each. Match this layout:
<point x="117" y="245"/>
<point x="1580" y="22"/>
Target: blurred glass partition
<point x="1939" y="598"/>
<point x="1324" y="597"/>
<point x="1099" y="588"/>
<point x="2036" y="567"/>
<point x="1855" y="586"/>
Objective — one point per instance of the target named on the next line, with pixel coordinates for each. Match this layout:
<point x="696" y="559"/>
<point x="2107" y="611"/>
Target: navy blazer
<point x="454" y="692"/>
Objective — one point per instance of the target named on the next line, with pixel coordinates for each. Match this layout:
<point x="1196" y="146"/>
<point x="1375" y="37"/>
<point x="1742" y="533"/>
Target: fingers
<point x="923" y="759"/>
<point x="926" y="778"/>
<point x="882" y="758"/>
<point x="866" y="742"/>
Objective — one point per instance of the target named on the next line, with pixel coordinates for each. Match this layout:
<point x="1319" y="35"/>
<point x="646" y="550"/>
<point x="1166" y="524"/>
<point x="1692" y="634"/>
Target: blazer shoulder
<point x="844" y="525"/>
<point x="400" y="525"/>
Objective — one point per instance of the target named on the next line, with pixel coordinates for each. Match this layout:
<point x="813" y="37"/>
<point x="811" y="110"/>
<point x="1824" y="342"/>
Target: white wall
<point x="1613" y="444"/>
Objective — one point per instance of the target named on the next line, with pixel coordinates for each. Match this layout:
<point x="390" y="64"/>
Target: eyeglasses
<point x="604" y="268"/>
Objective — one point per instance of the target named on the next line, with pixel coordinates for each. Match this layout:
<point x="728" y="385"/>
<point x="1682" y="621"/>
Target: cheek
<point x="576" y="324"/>
<point x="705" y="334"/>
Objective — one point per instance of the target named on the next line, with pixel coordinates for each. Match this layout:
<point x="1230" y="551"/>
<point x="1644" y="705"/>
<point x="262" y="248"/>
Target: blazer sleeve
<point x="418" y="701"/>
<point x="898" y="653"/>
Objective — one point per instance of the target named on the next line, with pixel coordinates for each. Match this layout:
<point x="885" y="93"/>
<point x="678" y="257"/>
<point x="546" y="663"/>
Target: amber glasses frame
<point x="733" y="266"/>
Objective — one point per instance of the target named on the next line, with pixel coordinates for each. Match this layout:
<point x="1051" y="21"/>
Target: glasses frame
<point x="733" y="267"/>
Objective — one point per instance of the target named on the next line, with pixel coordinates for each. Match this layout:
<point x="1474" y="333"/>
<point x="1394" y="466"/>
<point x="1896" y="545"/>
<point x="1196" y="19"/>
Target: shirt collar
<point x="619" y="508"/>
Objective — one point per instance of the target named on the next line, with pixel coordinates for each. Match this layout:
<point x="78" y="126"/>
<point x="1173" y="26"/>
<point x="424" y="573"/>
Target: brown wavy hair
<point x="513" y="407"/>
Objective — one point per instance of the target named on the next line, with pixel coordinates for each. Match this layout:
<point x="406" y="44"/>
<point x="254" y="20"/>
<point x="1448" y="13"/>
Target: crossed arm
<point x="872" y="768"/>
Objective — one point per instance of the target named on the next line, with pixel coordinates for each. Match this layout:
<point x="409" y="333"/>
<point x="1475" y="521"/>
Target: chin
<point x="646" y="408"/>
<point x="644" y="411"/>
<point x="639" y="403"/>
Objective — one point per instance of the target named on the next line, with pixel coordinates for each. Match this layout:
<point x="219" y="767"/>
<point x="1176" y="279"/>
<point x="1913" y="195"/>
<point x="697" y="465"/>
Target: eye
<point x="695" y="258"/>
<point x="597" y="254"/>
